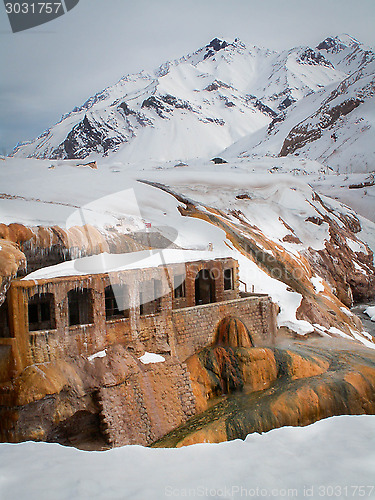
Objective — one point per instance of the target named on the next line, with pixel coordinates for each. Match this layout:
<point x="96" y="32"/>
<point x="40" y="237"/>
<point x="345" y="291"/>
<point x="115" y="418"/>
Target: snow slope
<point x="298" y="462"/>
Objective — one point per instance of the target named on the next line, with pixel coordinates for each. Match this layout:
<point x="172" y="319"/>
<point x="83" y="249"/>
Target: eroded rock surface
<point x="12" y="261"/>
<point x="119" y="399"/>
<point x="301" y="384"/>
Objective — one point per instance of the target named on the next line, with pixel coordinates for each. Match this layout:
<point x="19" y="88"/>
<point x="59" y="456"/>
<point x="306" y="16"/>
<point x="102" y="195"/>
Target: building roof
<point x="109" y="263"/>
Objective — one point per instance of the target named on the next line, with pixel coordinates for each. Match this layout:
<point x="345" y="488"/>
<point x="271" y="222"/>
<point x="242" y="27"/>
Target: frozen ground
<point x="332" y="458"/>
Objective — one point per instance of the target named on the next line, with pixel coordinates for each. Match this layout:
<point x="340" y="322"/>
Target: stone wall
<point x="155" y="399"/>
<point x="196" y="327"/>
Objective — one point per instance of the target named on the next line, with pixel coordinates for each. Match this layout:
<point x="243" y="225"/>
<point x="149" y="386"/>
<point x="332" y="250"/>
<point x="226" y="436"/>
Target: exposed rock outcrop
<point x="121" y="400"/>
<point x="12" y="261"/>
<point x="346" y="263"/>
<point x="303" y="133"/>
<point x="116" y="400"/>
<point x="47" y="246"/>
<point x="300" y="385"/>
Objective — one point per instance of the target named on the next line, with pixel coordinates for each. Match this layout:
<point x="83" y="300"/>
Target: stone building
<point x="174" y="310"/>
<point x="171" y="308"/>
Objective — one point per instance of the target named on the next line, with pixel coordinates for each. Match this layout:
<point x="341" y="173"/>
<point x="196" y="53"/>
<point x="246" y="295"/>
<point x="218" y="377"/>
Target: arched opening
<point x="233" y="332"/>
<point x="4" y="320"/>
<point x="204" y="287"/>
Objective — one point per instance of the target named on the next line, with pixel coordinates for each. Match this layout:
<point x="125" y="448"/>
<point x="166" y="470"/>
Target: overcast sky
<point x="46" y="71"/>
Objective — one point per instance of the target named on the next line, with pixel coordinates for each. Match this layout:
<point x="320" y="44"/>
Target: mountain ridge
<point x="333" y="126"/>
<point x="200" y="104"/>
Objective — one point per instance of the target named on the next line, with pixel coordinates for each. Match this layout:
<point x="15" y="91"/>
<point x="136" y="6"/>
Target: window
<point x="179" y="286"/>
<point x="80" y="307"/>
<point x="150" y="297"/>
<point x="116" y="302"/>
<point x="4" y="320"/>
<point x="205" y="289"/>
<point x="228" y="279"/>
<point x="41" y="311"/>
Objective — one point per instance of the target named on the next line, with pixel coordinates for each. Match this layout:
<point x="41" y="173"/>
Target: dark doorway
<point x="41" y="312"/>
<point x="204" y="287"/>
<point x="80" y="307"/>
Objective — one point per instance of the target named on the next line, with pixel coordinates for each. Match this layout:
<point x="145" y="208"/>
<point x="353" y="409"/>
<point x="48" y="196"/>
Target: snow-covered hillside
<point x="192" y="107"/>
<point x="271" y="222"/>
<point x="334" y="125"/>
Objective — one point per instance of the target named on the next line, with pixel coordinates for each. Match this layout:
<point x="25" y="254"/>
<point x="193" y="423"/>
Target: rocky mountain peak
<point x="214" y="46"/>
<point x="338" y="43"/>
<point x="312" y="57"/>
<point x="218" y="90"/>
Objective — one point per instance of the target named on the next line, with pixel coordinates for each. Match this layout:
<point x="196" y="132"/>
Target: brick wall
<point x="154" y="400"/>
<point x="196" y="327"/>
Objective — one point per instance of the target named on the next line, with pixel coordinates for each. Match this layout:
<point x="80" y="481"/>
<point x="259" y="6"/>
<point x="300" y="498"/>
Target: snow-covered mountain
<point x="200" y="104"/>
<point x="334" y="125"/>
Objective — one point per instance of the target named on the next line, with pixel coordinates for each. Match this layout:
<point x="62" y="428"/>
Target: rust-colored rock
<point x="12" y="260"/>
<point x="233" y="332"/>
<point x="312" y="383"/>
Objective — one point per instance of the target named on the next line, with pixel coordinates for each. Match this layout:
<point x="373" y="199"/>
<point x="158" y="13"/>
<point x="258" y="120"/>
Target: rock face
<point x="296" y="386"/>
<point x="345" y="263"/>
<point x="233" y="332"/>
<point x="222" y="392"/>
<point x="109" y="400"/>
<point x="304" y="133"/>
<point x="46" y="246"/>
<point x="12" y="261"/>
<point x="342" y="263"/>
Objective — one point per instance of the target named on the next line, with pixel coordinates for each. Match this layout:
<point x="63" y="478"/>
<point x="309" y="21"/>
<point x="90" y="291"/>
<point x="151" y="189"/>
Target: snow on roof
<point x="109" y="263"/>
